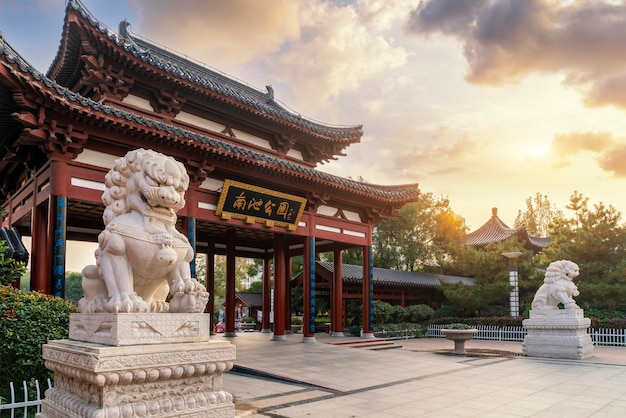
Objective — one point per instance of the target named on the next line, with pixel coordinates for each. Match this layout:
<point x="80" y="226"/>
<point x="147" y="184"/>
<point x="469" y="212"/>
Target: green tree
<point x="73" y="286"/>
<point x="489" y="268"/>
<point x="425" y="235"/>
<point x="595" y="239"/>
<point x="540" y="213"/>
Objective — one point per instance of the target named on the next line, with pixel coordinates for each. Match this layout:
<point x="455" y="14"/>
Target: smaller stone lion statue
<point x="141" y="258"/>
<point x="557" y="287"/>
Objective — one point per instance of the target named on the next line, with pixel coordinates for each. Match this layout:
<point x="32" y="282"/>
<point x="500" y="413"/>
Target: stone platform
<point x="557" y="333"/>
<point x="139" y="328"/>
<point x="141" y="365"/>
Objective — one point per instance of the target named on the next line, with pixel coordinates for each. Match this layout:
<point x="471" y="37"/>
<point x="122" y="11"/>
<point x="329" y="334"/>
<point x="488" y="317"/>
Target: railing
<point x="28" y="406"/>
<point x="602" y="336"/>
<point x="486" y="333"/>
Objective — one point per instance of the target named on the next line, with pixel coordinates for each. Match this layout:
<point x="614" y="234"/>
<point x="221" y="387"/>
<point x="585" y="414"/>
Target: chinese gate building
<point x="255" y="191"/>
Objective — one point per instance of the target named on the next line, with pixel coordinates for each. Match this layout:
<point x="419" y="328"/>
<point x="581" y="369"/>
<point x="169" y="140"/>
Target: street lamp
<point x="513" y="281"/>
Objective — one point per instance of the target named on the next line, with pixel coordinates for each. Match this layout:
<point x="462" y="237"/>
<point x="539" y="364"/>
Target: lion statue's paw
<point x="93" y="305"/>
<point x="128" y="302"/>
<point x="159" y="306"/>
<point x="193" y="302"/>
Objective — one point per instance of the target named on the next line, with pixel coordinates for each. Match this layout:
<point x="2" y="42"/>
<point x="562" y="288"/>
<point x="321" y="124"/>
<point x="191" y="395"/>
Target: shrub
<point x="247" y="320"/>
<point x="10" y="269"/>
<point x="28" y="320"/>
<point x="458" y="325"/>
<point x="382" y="312"/>
<point x="296" y="321"/>
<point x="419" y="313"/>
<point x="396" y="314"/>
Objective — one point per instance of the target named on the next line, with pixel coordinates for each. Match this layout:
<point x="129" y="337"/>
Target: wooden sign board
<point x="256" y="204"/>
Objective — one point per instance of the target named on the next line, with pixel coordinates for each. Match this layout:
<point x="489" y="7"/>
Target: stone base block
<point x="119" y="329"/>
<point x="165" y="380"/>
<point x="558" y="334"/>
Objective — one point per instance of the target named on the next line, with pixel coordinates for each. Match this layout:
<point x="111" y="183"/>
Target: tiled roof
<point x="215" y="81"/>
<point x="250" y="299"/>
<point x="387" y="277"/>
<point x="396" y="193"/>
<point x="494" y="230"/>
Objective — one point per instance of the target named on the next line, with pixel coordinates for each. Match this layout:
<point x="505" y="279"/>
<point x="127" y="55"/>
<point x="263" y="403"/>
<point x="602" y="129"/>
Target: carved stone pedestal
<point x="557" y="333"/>
<point x="171" y="379"/>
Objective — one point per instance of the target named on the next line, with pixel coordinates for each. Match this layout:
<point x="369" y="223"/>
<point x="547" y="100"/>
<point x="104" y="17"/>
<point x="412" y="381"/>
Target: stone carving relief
<point x="141" y="257"/>
<point x="557" y="287"/>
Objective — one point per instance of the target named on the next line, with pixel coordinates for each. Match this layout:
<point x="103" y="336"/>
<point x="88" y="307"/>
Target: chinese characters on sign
<point x="256" y="204"/>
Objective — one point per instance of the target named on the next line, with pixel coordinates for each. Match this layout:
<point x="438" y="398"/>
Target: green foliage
<point x="28" y="320"/>
<point x="402" y="330"/>
<point x="422" y="238"/>
<point x="296" y="321"/>
<point x="499" y="321"/>
<point x="73" y="286"/>
<point x="419" y="313"/>
<point x="458" y="325"/>
<point x="247" y="320"/>
<point x="256" y="287"/>
<point x="489" y="268"/>
<point x="10" y="269"/>
<point x="540" y="214"/>
<point x="382" y="312"/>
<point x="397" y="314"/>
<point x="595" y="239"/>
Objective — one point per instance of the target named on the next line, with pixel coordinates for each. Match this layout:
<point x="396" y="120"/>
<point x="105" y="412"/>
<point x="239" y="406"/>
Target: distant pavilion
<point x="494" y="230"/>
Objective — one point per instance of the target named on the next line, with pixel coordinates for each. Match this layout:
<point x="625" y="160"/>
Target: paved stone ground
<point x="421" y="378"/>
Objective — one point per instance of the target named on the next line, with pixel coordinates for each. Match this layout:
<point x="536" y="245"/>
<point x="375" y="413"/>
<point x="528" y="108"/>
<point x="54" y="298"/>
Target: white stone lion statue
<point x="141" y="257"/>
<point x="557" y="287"/>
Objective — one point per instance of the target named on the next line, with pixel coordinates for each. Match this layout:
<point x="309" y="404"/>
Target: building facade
<point x="108" y="92"/>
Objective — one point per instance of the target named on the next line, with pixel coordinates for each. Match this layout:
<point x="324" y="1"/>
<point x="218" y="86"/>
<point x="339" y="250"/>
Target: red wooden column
<point x="279" y="288"/>
<point x="40" y="264"/>
<point x="368" y="293"/>
<point x="308" y="290"/>
<point x="337" y="295"/>
<point x="57" y="224"/>
<point x="267" y="296"/>
<point x="230" y="284"/>
<point x="210" y="282"/>
<point x="287" y="292"/>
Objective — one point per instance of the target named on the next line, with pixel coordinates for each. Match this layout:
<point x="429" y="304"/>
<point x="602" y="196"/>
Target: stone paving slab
<point x="423" y="378"/>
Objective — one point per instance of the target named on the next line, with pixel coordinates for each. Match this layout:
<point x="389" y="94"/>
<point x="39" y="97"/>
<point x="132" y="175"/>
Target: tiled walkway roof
<point x="387" y="277"/>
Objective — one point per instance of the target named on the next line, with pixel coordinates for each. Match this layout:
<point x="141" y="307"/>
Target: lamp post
<point x="513" y="281"/>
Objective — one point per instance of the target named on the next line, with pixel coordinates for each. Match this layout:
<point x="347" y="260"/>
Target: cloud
<point x="335" y="53"/>
<point x="568" y="144"/>
<point x="233" y="31"/>
<point x="610" y="151"/>
<point x="506" y="40"/>
<point x="613" y="160"/>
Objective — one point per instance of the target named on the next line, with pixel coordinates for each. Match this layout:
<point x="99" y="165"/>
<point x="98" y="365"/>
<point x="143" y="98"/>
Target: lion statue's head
<point x="561" y="270"/>
<point x="147" y="182"/>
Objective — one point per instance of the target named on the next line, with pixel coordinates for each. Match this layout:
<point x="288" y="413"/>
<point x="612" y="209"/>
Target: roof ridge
<point x="254" y="96"/>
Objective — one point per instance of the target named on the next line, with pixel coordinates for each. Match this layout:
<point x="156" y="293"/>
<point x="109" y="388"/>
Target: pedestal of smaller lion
<point x="557" y="333"/>
<point x="132" y="365"/>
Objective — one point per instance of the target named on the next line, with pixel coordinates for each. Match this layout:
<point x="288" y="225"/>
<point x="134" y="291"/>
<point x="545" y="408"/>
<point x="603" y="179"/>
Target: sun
<point x="537" y="151"/>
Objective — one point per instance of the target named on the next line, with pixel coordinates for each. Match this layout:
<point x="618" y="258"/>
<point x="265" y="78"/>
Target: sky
<point x="483" y="102"/>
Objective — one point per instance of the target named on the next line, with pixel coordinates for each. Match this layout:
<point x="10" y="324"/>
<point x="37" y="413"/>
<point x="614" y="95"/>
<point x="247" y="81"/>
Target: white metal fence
<point x="24" y="404"/>
<point x="602" y="336"/>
